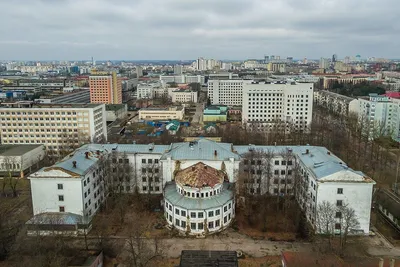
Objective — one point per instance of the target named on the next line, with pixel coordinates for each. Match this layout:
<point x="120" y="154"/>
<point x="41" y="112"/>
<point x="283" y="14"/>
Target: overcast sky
<point x="187" y="29"/>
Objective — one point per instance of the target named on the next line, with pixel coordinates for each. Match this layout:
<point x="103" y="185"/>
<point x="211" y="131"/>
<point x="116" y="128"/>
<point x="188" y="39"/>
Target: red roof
<point x="392" y="94"/>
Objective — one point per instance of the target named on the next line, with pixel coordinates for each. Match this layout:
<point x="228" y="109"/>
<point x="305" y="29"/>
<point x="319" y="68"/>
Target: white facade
<point x="184" y="96"/>
<point x="52" y="125"/>
<point x="178" y="69"/>
<point x="18" y="158"/>
<point x="265" y="104"/>
<point x="183" y="78"/>
<point x="170" y="113"/>
<point x="75" y="96"/>
<point x="321" y="177"/>
<point x="226" y="92"/>
<point x="337" y="103"/>
<point x="380" y="113"/>
<point x="147" y="90"/>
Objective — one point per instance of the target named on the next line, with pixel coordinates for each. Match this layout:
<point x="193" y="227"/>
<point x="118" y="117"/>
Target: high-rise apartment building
<point x="178" y="69"/>
<point x="265" y="104"/>
<point x="323" y="63"/>
<point x="380" y="114"/>
<point x="57" y="126"/>
<point x="105" y="88"/>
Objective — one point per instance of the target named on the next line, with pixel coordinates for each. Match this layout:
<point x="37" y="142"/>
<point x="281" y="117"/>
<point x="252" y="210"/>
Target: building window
<point x="225" y="219"/>
<point x="225" y="208"/>
<point x="183" y="213"/>
<point x="201" y="215"/>
<point x="339" y="203"/>
<point x="183" y="224"/>
<point x="340" y="190"/>
<point x="337" y="226"/>
<point x="193" y="215"/>
<point x="276" y="162"/>
<point x="210" y="225"/>
<point x="338" y="214"/>
<point x="144" y="188"/>
<point x="200" y="226"/>
<point x="210" y="213"/>
<point x="143" y="160"/>
<point x="60" y="186"/>
<point x="217" y="223"/>
<point x="176" y="211"/>
<point x="177" y="223"/>
<point x="61" y="208"/>
<point x="217" y="212"/>
<point x="289" y="162"/>
<point x="193" y="226"/>
<point x="60" y="198"/>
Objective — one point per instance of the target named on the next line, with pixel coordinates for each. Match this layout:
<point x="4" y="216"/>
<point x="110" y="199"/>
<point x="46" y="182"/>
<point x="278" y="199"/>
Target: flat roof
<point x="26" y="104"/>
<point x="115" y="106"/>
<point x="16" y="150"/>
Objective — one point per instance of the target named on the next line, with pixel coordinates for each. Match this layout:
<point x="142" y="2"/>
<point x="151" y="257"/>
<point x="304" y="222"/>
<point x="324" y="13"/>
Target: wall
<point x="45" y="195"/>
<point x="357" y="195"/>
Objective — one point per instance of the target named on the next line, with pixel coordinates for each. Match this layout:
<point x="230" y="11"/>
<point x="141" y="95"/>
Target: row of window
<point x="199" y="195"/>
<point x="199" y="214"/>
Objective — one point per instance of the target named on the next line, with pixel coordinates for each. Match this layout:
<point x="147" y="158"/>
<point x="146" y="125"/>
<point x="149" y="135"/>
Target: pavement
<point x="198" y="115"/>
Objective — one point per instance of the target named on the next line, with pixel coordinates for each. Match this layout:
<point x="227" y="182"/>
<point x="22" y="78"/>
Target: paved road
<point x="198" y="116"/>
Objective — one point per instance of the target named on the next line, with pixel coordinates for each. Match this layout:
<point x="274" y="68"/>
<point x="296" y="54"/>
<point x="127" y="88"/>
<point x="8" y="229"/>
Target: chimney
<point x="328" y="153"/>
<point x="98" y="152"/>
<point x="215" y="153"/>
<point x="74" y="164"/>
<point x="307" y="151"/>
<point x="193" y="168"/>
<point x="86" y="154"/>
<point x="205" y="167"/>
<point x="380" y="262"/>
<point x="392" y="262"/>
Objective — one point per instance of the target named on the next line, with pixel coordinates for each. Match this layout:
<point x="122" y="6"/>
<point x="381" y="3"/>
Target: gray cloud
<point x="186" y="29"/>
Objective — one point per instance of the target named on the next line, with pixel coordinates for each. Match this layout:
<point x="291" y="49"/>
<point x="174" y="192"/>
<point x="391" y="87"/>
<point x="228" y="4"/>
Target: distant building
<point x="380" y="114"/>
<point x="226" y="92"/>
<point x="178" y="69"/>
<point x="388" y="204"/>
<point x="184" y="78"/>
<point x="336" y="103"/>
<point x="217" y="113"/>
<point x="266" y="105"/>
<point x="334" y="58"/>
<point x="114" y="112"/>
<point x="18" y="159"/>
<point x="323" y="63"/>
<point x="74" y="97"/>
<point x="162" y="113"/>
<point x="56" y="126"/>
<point x="105" y="88"/>
<point x="184" y="96"/>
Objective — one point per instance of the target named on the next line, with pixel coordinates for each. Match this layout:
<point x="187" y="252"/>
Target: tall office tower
<point x="266" y="59"/>
<point x="178" y="69"/>
<point x="334" y="58"/>
<point x="105" y="88"/>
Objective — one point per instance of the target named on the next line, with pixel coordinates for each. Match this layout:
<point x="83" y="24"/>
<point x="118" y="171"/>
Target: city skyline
<point x="176" y="29"/>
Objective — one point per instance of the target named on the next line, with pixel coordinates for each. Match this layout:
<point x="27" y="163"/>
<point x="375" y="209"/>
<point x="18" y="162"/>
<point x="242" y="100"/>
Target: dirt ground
<point x="270" y="261"/>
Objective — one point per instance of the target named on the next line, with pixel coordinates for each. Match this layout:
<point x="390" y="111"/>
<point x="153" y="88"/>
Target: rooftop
<point x="208" y="258"/>
<point x="115" y="106"/>
<point x="16" y="150"/>
<point x="30" y="104"/>
<point x="199" y="175"/>
<point x="175" y="198"/>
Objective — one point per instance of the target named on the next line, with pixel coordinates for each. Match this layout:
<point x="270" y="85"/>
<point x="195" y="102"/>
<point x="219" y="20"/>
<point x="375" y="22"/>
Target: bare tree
<point x="141" y="249"/>
<point x="348" y="223"/>
<point x="325" y="220"/>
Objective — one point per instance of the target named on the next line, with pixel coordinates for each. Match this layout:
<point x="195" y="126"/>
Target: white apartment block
<point x="183" y="78"/>
<point x="265" y="104"/>
<point x="334" y="102"/>
<point x="56" y="126"/>
<point x="75" y="185"/>
<point x="226" y="92"/>
<point x="380" y="113"/>
<point x="147" y="90"/>
<point x="184" y="96"/>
